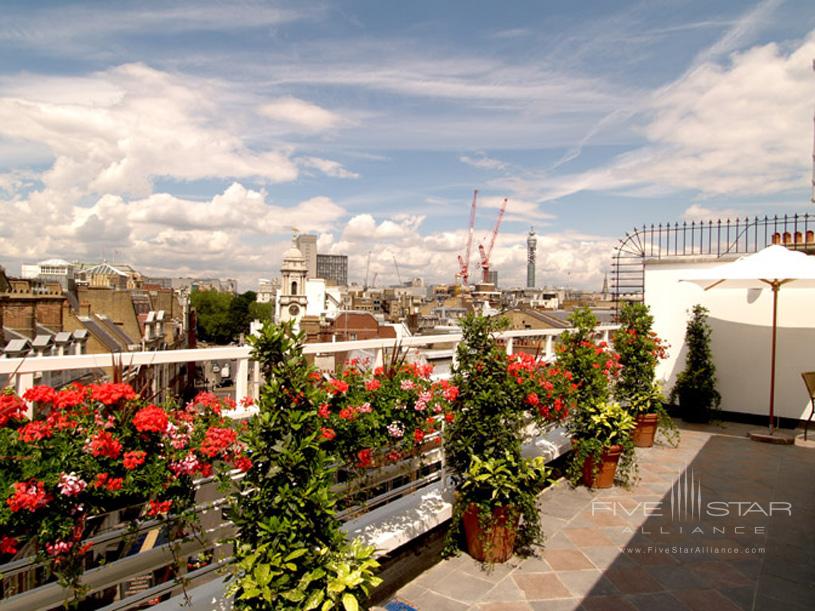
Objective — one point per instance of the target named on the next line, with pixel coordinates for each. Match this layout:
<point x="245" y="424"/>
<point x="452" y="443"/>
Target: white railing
<point x="23" y="371"/>
<point x="386" y="519"/>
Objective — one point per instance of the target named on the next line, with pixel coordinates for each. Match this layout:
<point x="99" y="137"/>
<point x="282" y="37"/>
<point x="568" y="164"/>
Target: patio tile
<point x="460" y="586"/>
<point x="587" y="536"/>
<point x="567" y="560"/>
<point x="435" y="574"/>
<point x="743" y="596"/>
<point x="716" y="573"/>
<point x="541" y="586"/>
<point x="675" y="577"/>
<point x="587" y="583"/>
<point x="561" y="604"/>
<point x="492" y="573"/>
<point x="658" y="600"/>
<point x="706" y="600"/>
<point x="607" y="603"/>
<point x="535" y="564"/>
<point x="632" y="580"/>
<point x="505" y="590"/>
<point x="430" y="601"/>
<point x="798" y="593"/>
<point x="764" y="603"/>
<point x="504" y="606"/>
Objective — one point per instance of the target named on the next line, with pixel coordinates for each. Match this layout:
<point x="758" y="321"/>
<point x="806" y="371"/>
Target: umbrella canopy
<point x="775" y="266"/>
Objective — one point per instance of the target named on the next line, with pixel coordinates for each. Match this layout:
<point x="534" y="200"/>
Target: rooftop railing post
<point x="379" y="357"/>
<point x="510" y="345"/>
<point x="241" y="379"/>
<point x="24" y="382"/>
<point x="549" y="349"/>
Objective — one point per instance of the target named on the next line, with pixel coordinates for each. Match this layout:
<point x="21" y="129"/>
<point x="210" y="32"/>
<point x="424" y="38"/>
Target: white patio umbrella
<point x="773" y="267"/>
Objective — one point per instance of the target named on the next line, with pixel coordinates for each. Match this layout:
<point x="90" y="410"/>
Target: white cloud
<point x="482" y="162"/>
<point x="695" y="212"/>
<point x="301" y="114"/>
<point x="735" y="129"/>
<point x="328" y="167"/>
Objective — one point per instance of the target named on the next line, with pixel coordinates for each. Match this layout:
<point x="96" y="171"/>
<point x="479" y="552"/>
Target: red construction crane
<point x="464" y="263"/>
<point x="485" y="255"/>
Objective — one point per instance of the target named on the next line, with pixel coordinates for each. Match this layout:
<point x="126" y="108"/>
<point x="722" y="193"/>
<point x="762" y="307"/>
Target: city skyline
<point x="189" y="139"/>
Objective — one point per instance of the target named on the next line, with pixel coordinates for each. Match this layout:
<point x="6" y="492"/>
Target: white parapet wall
<point x="742" y="324"/>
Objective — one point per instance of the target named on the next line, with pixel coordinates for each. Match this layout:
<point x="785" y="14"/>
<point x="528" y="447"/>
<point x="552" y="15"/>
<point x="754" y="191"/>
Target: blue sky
<point x="188" y="138"/>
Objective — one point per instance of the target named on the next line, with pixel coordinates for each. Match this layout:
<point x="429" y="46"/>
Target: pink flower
<point x="365" y="408"/>
<point x="407" y="385"/>
<point x="70" y="484"/>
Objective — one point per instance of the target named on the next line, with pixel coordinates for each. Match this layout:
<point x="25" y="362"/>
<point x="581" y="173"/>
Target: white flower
<point x="396" y="429"/>
<point x="70" y="484"/>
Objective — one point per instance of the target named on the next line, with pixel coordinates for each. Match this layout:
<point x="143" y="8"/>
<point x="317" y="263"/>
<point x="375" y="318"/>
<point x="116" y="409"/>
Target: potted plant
<point x="602" y="446"/>
<point x="640" y="350"/>
<point x="496" y="398"/>
<point x="289" y="550"/>
<point x="495" y="492"/>
<point x="695" y="387"/>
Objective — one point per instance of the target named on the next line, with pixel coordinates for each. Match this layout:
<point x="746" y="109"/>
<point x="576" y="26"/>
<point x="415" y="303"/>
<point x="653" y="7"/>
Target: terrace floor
<point x="622" y="549"/>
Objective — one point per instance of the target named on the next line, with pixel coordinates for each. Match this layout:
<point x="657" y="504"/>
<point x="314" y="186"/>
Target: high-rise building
<point x="492" y="277"/>
<point x="333" y="268"/>
<point x="307" y="245"/>
<point x="531" y="246"/>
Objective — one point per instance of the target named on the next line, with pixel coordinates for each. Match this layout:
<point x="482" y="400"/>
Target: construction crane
<point x="464" y="263"/>
<point x="486" y="254"/>
<point x="398" y="275"/>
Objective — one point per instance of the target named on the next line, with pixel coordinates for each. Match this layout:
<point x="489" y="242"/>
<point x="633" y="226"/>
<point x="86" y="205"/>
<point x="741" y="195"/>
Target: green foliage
<point x="593" y="365"/>
<point x="222" y="317"/>
<point x="290" y="552"/>
<point x="264" y="312"/>
<point x="600" y="426"/>
<point x="639" y="348"/>
<point x="485" y="436"/>
<point x="695" y="387"/>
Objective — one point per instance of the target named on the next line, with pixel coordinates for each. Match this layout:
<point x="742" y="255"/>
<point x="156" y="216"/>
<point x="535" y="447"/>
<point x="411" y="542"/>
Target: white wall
<point x="742" y="324"/>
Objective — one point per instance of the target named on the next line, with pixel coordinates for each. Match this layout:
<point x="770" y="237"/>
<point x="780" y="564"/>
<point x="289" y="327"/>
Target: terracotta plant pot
<point x="643" y="436"/>
<point x="497" y="543"/>
<point x="608" y="468"/>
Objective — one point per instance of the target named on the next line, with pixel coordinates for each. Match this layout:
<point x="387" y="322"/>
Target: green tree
<point x="695" y="387"/>
<point x="264" y="312"/>
<point x="213" y="310"/>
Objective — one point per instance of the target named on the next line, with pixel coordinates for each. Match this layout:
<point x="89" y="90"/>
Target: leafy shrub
<point x="695" y="387"/>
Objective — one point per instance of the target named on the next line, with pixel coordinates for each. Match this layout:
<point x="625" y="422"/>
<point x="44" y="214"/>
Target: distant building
<point x="292" y="300"/>
<point x="531" y="248"/>
<point x="492" y="277"/>
<point x="267" y="290"/>
<point x="307" y="245"/>
<point x="188" y="285"/>
<point x="333" y="269"/>
<point x="51" y="270"/>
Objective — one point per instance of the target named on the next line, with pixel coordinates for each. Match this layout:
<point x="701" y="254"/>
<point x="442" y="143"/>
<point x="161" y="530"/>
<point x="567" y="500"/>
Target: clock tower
<point x="293" y="292"/>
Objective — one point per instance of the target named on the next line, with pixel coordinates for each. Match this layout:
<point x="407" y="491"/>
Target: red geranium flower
<point x="323" y="411"/>
<point x="34" y="431"/>
<point x="8" y="545"/>
<point x="339" y="386"/>
<point x="365" y="458"/>
<point x="105" y="444"/>
<point x="151" y="418"/>
<point x="111" y="394"/>
<point x="11" y="408"/>
<point x="157" y="507"/>
<point x="216" y="440"/>
<point x="134" y="459"/>
<point x="28" y="495"/>
<point x="243" y="463"/>
<point x="418" y="435"/>
<point x="327" y="433"/>
<point x="40" y="394"/>
<point x="69" y="397"/>
<point x="373" y="385"/>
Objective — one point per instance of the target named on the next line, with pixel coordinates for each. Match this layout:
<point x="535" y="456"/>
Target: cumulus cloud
<point x="563" y="258"/>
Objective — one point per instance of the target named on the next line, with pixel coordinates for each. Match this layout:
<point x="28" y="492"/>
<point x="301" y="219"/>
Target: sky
<point x="190" y="138"/>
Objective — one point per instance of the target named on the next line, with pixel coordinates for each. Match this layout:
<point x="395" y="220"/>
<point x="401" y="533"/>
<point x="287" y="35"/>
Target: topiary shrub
<point x="289" y="550"/>
<point x="695" y="387"/>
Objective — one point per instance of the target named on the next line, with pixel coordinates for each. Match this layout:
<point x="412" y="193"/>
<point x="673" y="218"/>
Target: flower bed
<point x="94" y="449"/>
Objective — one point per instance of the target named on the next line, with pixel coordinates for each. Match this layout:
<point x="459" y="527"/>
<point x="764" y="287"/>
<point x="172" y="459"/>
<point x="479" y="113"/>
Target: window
<point x="294" y="288"/>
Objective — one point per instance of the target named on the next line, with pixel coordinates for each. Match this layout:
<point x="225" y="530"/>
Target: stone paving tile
<point x="541" y="586"/>
<point x="563" y="604"/>
<point x="632" y="580"/>
<point x="505" y="590"/>
<point x="503" y="606"/>
<point x="588" y="536"/>
<point x="658" y="600"/>
<point x="673" y="577"/>
<point x="706" y="600"/>
<point x="607" y="603"/>
<point x="567" y="560"/>
<point x="590" y="582"/>
<point x="798" y="593"/>
<point x="716" y="573"/>
<point x="460" y="586"/>
<point x="603" y="556"/>
<point x="430" y="601"/>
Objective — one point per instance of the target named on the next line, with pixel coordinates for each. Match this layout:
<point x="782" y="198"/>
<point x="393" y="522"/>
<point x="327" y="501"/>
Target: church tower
<point x="293" y="291"/>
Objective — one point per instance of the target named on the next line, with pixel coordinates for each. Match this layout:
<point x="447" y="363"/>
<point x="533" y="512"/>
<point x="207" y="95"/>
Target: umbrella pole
<point x="775" y="286"/>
